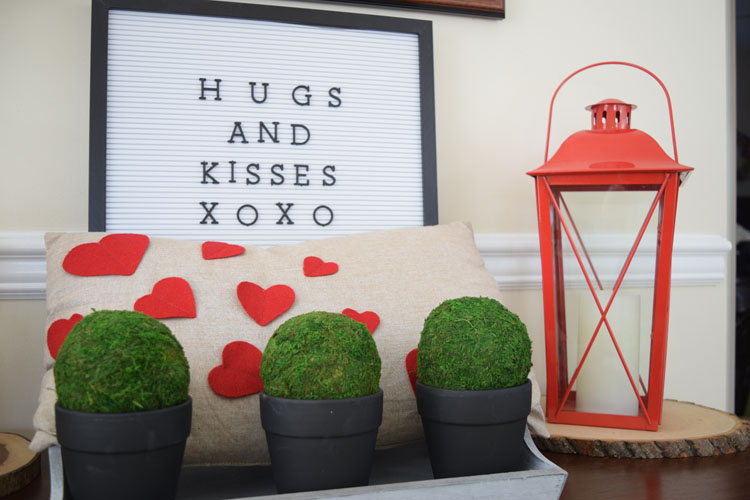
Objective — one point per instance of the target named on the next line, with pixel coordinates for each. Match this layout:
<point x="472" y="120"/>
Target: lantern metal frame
<point x="650" y="170"/>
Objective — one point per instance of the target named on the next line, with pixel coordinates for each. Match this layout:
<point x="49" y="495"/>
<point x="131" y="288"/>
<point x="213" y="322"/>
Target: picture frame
<point x="258" y="124"/>
<point x="487" y="8"/>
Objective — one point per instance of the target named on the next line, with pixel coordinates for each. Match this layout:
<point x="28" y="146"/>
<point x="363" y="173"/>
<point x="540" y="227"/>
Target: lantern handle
<point x="620" y="63"/>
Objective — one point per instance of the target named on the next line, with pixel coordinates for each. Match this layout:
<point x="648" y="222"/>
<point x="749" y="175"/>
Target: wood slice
<point x="18" y="465"/>
<point x="687" y="430"/>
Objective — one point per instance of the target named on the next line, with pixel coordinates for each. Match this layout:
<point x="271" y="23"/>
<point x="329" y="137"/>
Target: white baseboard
<point x="512" y="258"/>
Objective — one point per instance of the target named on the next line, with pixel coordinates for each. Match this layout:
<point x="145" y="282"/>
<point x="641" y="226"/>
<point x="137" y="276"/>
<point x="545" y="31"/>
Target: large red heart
<point x="314" y="266"/>
<point x="369" y="318"/>
<point x="114" y="254"/>
<point x="58" y="332"/>
<point x="239" y="372"/>
<point x="411" y="369"/>
<point x="264" y="305"/>
<point x="219" y="250"/>
<point x="170" y="298"/>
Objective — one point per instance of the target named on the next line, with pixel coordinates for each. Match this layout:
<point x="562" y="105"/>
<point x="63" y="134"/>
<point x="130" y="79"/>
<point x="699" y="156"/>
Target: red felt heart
<point x="220" y="250"/>
<point x="264" y="305"/>
<point x="239" y="372"/>
<point x="411" y="369"/>
<point x="58" y="331"/>
<point x="369" y="318"/>
<point x="170" y="298"/>
<point x="114" y="254"/>
<point x="314" y="266"/>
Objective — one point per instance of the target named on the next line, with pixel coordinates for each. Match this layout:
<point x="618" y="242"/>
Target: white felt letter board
<point x="256" y="124"/>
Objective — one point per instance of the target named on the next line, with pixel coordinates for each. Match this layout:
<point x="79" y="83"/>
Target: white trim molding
<point x="512" y="258"/>
<point x="23" y="271"/>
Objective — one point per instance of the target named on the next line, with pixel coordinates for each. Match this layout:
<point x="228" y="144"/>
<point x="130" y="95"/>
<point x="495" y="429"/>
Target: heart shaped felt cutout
<point x="117" y="254"/>
<point x="239" y="372"/>
<point x="315" y="266"/>
<point x="170" y="298"/>
<point x="264" y="305"/>
<point x="411" y="369"/>
<point x="369" y="318"/>
<point x="58" y="331"/>
<point x="220" y="250"/>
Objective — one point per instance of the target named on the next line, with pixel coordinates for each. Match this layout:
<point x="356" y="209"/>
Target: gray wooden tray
<point x="398" y="473"/>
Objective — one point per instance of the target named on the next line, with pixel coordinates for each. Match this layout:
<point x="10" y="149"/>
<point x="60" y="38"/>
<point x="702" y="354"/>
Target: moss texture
<point x="321" y="355"/>
<point x="119" y="362"/>
<point x="473" y="343"/>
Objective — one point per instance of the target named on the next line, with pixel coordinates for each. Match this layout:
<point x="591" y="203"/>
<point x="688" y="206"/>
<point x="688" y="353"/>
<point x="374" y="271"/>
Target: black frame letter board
<point x="217" y="121"/>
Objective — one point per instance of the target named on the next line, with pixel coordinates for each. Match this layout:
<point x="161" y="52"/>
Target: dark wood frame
<point x="488" y="8"/>
<point x="98" y="93"/>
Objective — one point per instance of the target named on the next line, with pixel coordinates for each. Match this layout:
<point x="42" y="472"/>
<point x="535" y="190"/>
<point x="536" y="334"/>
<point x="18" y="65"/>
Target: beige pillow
<point x="400" y="275"/>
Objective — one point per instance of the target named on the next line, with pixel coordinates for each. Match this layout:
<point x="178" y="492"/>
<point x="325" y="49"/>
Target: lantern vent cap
<point x="610" y="115"/>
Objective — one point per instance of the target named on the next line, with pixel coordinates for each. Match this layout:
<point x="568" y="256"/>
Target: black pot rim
<point x="123" y="432"/>
<point x="469" y="407"/>
<point x="321" y="417"/>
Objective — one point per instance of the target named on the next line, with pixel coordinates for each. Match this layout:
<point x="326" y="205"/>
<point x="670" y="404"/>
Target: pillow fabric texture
<point x="223" y="302"/>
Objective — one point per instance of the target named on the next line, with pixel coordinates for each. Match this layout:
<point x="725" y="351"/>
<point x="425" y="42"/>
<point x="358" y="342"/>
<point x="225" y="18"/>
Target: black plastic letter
<point x="214" y="89"/>
<point x="239" y="210"/>
<point x="207" y="172"/>
<point x="265" y="92"/>
<point x="326" y="169"/>
<point x="274" y="137"/>
<point x="330" y="215"/>
<point x="237" y="132"/>
<point x="294" y="134"/>
<point x="284" y="213"/>
<point x="275" y="171"/>
<point x="208" y="212"/>
<point x="301" y="175"/>
<point x="338" y="99"/>
<point x="256" y="177"/>
<point x="307" y="96"/>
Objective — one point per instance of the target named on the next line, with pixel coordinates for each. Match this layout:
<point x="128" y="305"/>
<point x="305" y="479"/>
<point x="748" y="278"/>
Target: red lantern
<point x="606" y="206"/>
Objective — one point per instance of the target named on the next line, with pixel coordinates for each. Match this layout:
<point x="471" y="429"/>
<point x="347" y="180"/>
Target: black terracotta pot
<point x="123" y="455"/>
<point x="474" y="432"/>
<point x="321" y="444"/>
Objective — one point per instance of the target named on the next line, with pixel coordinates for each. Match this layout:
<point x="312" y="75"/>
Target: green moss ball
<point x="320" y="355"/>
<point x="473" y="343"/>
<point x="119" y="362"/>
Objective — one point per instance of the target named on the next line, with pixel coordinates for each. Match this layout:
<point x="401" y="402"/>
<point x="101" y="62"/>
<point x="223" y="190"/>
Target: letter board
<point x="257" y="124"/>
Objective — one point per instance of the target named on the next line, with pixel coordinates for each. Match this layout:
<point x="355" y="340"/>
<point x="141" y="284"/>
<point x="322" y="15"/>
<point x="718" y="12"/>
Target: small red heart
<point x="239" y="372"/>
<point x="264" y="305"/>
<point x="314" y="266"/>
<point x="114" y="254"/>
<point x="58" y="331"/>
<point x="369" y="318"/>
<point x="411" y="369"/>
<point x="220" y="250"/>
<point x="170" y="298"/>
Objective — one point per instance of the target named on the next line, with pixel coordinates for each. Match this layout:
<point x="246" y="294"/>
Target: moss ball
<point x="120" y="362"/>
<point x="320" y="355"/>
<point x="473" y="343"/>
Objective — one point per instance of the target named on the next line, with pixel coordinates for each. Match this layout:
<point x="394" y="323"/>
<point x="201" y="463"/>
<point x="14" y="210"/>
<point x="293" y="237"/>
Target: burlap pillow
<point x="399" y="275"/>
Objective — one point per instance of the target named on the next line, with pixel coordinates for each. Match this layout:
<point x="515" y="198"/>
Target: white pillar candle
<point x="602" y="385"/>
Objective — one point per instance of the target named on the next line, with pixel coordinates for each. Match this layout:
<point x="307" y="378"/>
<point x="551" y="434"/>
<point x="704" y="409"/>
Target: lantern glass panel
<point x="604" y="240"/>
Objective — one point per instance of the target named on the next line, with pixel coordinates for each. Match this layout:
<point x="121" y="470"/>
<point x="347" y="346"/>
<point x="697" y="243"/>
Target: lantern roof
<point x="610" y="146"/>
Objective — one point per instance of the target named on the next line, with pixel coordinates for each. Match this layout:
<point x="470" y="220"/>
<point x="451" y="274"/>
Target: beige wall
<point x="493" y="82"/>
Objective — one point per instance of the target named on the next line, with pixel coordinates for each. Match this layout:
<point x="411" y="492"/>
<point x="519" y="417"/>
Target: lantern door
<point x="606" y="242"/>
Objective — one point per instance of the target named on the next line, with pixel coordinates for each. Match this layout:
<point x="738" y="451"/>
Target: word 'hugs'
<point x="301" y="95"/>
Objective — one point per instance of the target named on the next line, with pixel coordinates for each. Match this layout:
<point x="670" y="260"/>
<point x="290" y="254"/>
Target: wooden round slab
<point x="18" y="465"/>
<point x="687" y="430"/>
